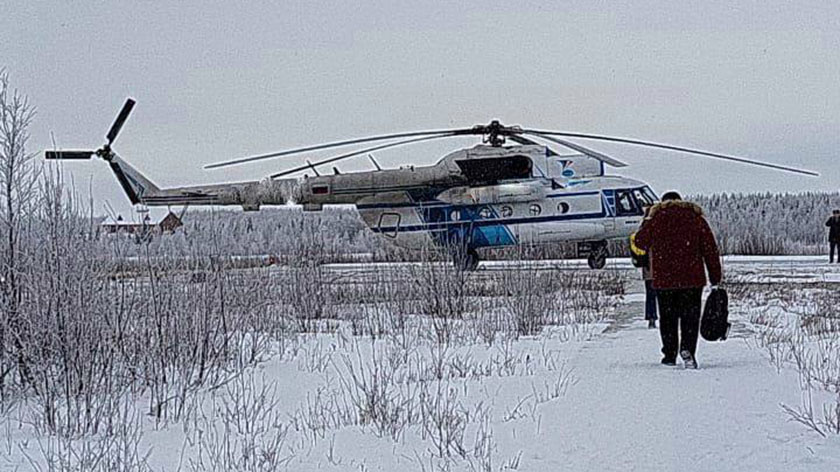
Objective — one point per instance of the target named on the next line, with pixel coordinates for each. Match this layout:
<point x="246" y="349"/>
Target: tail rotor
<point x="103" y="152"/>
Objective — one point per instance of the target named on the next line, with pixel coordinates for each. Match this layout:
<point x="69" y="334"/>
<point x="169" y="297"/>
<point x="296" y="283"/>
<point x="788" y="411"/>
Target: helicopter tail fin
<point x="136" y="186"/>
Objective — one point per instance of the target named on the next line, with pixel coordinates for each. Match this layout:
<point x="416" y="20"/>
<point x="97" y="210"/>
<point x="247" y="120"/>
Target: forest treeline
<point x="770" y="223"/>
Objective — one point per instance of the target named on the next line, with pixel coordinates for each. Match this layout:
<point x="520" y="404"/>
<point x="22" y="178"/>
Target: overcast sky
<point x="220" y="80"/>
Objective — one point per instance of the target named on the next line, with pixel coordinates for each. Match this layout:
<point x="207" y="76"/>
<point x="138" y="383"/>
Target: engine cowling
<point x="492" y="194"/>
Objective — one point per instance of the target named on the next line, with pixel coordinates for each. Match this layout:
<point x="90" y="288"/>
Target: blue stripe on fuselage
<point x="438" y="203"/>
<point x="484" y="223"/>
<point x="471" y="226"/>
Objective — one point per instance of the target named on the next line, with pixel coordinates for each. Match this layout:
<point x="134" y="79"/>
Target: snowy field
<point x="519" y="366"/>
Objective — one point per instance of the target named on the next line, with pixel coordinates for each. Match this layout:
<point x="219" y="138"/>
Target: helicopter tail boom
<point x="140" y="190"/>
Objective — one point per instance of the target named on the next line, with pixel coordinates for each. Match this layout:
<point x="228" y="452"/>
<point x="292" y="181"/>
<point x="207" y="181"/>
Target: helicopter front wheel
<point x="598" y="256"/>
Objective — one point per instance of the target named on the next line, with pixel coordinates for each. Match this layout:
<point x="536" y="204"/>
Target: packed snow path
<point x="629" y="412"/>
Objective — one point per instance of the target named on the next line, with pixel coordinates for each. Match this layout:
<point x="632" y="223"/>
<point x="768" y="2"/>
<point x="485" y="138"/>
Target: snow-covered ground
<point x="587" y="393"/>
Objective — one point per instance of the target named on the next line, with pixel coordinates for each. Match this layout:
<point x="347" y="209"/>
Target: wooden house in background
<point x="146" y="227"/>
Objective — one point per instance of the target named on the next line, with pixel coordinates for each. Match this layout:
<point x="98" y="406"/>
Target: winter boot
<point x="688" y="360"/>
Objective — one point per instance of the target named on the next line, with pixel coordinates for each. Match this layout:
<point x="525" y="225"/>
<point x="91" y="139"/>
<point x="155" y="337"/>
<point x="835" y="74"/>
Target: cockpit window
<point x="625" y="204"/>
<point x="651" y="197"/>
<point x="632" y="202"/>
<point x="642" y="198"/>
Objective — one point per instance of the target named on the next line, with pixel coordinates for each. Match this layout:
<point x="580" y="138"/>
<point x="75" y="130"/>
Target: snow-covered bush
<point x="801" y="329"/>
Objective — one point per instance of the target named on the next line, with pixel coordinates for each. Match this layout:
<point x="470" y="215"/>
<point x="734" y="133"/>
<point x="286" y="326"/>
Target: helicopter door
<point x="628" y="210"/>
<point x="389" y="224"/>
<point x="609" y="201"/>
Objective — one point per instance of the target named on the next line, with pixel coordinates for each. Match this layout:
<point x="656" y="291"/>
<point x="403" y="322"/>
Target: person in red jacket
<point x="681" y="248"/>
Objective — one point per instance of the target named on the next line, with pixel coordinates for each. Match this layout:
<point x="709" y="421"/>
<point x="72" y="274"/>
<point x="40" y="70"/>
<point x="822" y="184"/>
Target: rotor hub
<point x="495" y="133"/>
<point x="105" y="152"/>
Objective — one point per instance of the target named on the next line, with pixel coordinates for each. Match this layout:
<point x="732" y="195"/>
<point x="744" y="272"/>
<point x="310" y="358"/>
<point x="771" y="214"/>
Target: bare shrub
<point x="530" y="297"/>
<point x="442" y="291"/>
<point x="306" y="294"/>
<point x="18" y="179"/>
<point x="811" y="344"/>
<point x="444" y="419"/>
<point x="484" y="445"/>
<point x="242" y="430"/>
<point x="116" y="450"/>
<point x="375" y="392"/>
<point x="94" y="336"/>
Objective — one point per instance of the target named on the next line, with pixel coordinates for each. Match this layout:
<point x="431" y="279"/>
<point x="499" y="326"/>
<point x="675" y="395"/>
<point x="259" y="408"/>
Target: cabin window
<point x="485" y="213"/>
<point x="389" y="224"/>
<point x="320" y="189"/>
<point x="455" y="215"/>
<point x="507" y="211"/>
<point x="535" y="209"/>
<point x="563" y="208"/>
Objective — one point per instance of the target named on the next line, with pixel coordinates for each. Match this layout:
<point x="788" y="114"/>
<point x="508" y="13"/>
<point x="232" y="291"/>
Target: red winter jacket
<point x="681" y="246"/>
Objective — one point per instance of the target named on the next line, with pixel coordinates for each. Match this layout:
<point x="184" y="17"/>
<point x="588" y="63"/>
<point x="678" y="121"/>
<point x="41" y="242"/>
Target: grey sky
<point x="219" y="80"/>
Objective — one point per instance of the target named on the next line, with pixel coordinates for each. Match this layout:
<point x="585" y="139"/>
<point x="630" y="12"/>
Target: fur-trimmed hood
<point x="675" y="204"/>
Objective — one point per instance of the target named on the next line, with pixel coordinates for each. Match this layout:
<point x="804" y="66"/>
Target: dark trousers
<point x="650" y="300"/>
<point x="679" y="313"/>
<point x="834" y="245"/>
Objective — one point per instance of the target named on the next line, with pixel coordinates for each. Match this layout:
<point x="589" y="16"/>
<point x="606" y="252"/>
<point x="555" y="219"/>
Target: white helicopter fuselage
<point x="530" y="212"/>
<point x="561" y="199"/>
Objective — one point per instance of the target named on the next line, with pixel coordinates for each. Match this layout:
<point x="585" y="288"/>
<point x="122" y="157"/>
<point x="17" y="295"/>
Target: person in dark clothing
<point x="681" y="248"/>
<point x="833" y="224"/>
<point x="642" y="260"/>
<point x="650" y="297"/>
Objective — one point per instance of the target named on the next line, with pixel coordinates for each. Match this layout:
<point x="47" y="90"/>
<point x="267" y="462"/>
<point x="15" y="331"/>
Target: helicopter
<point x="510" y="189"/>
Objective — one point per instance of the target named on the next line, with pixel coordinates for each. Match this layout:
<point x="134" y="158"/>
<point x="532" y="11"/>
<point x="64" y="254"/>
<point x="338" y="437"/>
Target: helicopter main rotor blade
<point x="348" y="142"/>
<point x="529" y="142"/>
<point x="585" y="151"/>
<point x="360" y="152"/>
<point x="522" y="140"/>
<point x="671" y="148"/>
<point x="120" y="121"/>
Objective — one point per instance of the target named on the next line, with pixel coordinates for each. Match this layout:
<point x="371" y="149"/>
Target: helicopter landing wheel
<point x="466" y="260"/>
<point x="598" y="257"/>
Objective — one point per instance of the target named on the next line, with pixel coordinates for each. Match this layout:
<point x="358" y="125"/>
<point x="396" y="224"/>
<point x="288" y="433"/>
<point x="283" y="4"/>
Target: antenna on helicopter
<point x="313" y="168"/>
<point x="375" y="164"/>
